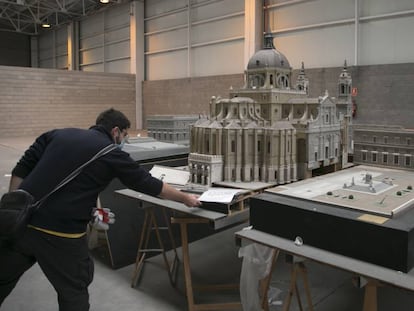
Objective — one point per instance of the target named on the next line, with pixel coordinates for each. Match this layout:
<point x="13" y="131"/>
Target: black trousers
<point x="65" y="262"/>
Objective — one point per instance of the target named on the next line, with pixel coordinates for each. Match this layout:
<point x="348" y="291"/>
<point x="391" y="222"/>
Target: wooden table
<point x="376" y="275"/>
<point x="184" y="216"/>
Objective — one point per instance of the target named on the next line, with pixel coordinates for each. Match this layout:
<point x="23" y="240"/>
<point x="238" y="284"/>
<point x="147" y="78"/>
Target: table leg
<point x="264" y="284"/>
<point x="186" y="263"/>
<point x="192" y="306"/>
<point x="370" y="297"/>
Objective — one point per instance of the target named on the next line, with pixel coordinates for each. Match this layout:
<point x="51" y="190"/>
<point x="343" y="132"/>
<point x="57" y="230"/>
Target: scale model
<point x="362" y="212"/>
<point x="270" y="130"/>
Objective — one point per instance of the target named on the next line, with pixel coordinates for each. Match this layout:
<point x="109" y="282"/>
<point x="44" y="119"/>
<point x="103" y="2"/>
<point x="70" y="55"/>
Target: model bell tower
<point x="344" y="83"/>
<point x="302" y="83"/>
<point x="344" y="106"/>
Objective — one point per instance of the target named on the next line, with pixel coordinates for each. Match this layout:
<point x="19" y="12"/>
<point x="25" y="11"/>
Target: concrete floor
<point x="213" y="260"/>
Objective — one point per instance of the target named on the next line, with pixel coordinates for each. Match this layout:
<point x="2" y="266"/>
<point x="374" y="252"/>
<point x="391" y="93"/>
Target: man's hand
<point x="191" y="200"/>
<point x="171" y="193"/>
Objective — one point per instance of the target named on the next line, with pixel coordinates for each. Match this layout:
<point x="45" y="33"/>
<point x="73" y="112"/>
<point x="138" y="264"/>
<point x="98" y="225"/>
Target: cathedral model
<point x="270" y="130"/>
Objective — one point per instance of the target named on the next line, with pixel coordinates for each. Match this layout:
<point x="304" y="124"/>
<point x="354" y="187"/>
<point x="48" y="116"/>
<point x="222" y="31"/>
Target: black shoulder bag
<point x="17" y="207"/>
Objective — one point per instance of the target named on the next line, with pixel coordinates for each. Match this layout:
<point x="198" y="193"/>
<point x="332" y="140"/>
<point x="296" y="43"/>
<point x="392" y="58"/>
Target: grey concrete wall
<point x="35" y="100"/>
<point x="187" y="95"/>
<point x="385" y="92"/>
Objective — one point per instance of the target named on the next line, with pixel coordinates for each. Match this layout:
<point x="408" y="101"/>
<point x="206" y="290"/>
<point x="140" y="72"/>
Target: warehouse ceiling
<point x="28" y="16"/>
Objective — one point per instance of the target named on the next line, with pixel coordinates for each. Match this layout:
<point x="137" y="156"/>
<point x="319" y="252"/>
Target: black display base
<point x="336" y="229"/>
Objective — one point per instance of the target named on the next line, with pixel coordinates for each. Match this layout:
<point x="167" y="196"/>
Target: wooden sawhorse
<point x="298" y="269"/>
<point x="189" y="287"/>
<point x="150" y="225"/>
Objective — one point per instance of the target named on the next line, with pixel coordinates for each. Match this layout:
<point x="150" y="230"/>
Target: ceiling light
<point x="104" y="1"/>
<point x="45" y="25"/>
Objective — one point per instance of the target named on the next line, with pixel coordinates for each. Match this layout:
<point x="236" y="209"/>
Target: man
<point x="55" y="237"/>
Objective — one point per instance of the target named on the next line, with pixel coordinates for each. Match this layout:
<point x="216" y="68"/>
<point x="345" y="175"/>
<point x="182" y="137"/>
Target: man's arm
<point x="171" y="193"/>
<point x="15" y="182"/>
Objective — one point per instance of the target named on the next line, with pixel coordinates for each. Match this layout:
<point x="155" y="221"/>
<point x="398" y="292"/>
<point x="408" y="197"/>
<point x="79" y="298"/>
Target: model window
<point x="259" y="146"/>
<point x="258" y="80"/>
<point x="374" y="157"/>
<point x="327" y="118"/>
<point x="207" y="146"/>
<point x="385" y="139"/>
<point x="271" y="80"/>
<point x="233" y="146"/>
<point x="408" y="160"/>
<point x="408" y="141"/>
<point x="268" y="147"/>
<point x="283" y="81"/>
<point x="336" y="152"/>
<point x="364" y="156"/>
<point x="396" y="159"/>
<point x="316" y="156"/>
<point x="385" y="158"/>
<point x="374" y="139"/>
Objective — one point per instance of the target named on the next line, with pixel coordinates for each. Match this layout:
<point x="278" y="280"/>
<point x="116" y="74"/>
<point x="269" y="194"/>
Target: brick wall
<point x="35" y="100"/>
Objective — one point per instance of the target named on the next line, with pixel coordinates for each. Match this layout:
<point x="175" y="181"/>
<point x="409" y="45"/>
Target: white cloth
<point x="257" y="261"/>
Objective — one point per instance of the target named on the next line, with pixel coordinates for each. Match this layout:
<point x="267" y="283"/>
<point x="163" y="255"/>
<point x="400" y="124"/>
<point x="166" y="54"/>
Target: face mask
<point x="123" y="141"/>
<point x="122" y="144"/>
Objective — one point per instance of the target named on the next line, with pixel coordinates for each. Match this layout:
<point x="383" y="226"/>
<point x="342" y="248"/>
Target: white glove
<point x="102" y="218"/>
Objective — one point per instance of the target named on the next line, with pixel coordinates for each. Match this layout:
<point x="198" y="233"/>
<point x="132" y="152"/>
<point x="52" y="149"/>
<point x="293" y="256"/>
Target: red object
<point x="354" y="91"/>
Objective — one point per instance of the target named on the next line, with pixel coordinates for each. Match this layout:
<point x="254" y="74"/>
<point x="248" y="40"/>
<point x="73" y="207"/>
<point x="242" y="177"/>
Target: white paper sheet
<point x="219" y="195"/>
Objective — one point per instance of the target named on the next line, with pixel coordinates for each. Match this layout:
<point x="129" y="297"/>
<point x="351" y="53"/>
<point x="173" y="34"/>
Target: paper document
<point x="219" y="195"/>
<point x="170" y="175"/>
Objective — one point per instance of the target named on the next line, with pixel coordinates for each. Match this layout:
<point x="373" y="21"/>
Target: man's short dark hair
<point x="113" y="118"/>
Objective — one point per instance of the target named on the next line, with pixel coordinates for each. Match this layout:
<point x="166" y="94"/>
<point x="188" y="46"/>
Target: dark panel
<point x="338" y="230"/>
<point x="14" y="49"/>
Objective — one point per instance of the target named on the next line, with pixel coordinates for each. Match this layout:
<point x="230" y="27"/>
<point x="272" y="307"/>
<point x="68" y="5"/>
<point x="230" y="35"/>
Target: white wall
<point x="205" y="38"/>
<point x="323" y="33"/>
<point x="195" y="38"/>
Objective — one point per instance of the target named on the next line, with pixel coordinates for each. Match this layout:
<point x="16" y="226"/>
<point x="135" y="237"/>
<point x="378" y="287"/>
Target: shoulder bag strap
<point x="76" y="172"/>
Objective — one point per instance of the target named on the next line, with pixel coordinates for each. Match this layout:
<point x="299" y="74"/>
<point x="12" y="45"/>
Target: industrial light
<point x="104" y="1"/>
<point x="45" y="25"/>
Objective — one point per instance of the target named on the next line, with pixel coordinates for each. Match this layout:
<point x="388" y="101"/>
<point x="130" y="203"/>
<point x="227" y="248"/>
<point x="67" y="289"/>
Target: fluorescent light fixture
<point x="45" y="25"/>
<point x="104" y="1"/>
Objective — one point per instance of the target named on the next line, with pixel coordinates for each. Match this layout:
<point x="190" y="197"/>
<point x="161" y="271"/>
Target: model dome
<point x="268" y="57"/>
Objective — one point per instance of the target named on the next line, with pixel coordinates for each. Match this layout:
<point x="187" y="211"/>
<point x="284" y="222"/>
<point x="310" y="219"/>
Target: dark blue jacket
<point x="56" y="154"/>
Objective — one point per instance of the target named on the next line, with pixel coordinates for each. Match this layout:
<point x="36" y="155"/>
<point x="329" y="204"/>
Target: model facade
<point x="171" y="128"/>
<point x="386" y="146"/>
<point x="270" y="130"/>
